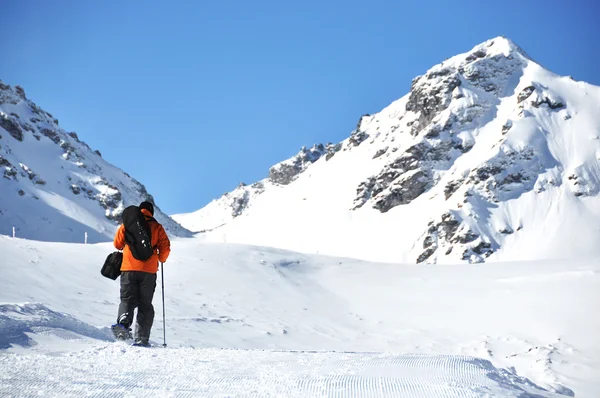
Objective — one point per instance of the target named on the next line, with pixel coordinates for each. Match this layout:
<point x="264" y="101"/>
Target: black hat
<point x="148" y="206"/>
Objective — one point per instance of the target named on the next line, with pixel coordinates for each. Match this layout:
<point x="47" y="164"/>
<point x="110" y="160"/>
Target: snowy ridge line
<point x="186" y="372"/>
<point x="489" y="158"/>
<point x="54" y="186"/>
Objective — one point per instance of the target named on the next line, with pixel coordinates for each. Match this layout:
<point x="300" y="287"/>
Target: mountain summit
<point x="488" y="157"/>
<point x="53" y="186"/>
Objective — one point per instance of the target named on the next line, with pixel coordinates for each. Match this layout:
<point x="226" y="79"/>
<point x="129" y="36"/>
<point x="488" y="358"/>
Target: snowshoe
<point x="121" y="332"/>
<point x="141" y="343"/>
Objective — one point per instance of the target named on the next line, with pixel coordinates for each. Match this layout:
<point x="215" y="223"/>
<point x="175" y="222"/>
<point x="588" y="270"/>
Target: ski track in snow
<point x="531" y="321"/>
<point x="117" y="370"/>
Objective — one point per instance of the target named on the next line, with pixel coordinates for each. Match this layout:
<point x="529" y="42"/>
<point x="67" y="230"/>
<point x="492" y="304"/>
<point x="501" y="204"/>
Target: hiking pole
<point x="162" y="278"/>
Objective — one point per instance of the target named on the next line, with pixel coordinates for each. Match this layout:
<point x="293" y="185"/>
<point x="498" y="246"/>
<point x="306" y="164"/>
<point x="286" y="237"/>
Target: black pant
<point x="137" y="290"/>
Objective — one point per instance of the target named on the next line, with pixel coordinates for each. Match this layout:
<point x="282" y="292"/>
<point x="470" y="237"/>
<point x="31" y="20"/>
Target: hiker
<point x="138" y="277"/>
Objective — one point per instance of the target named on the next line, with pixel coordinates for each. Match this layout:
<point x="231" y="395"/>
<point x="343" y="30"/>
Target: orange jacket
<point x="160" y="241"/>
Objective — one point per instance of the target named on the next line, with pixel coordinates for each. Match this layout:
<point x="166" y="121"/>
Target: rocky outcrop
<point x="510" y="171"/>
<point x="525" y="93"/>
<point x="79" y="175"/>
<point x="286" y="172"/>
<point x="429" y="95"/>
<point x="11" y="126"/>
<point x="547" y="101"/>
<point x="450" y="233"/>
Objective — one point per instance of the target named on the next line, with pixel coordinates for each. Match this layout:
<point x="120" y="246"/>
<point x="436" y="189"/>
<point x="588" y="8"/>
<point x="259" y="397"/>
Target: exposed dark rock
<point x="239" y="204"/>
<point x="452" y="187"/>
<point x="428" y="241"/>
<point x="66" y="146"/>
<point x="429" y="96"/>
<point x="74" y="136"/>
<point x="486" y="171"/>
<point x="27" y="127"/>
<point x="286" y="172"/>
<point x="476" y="55"/>
<point x="258" y="186"/>
<point x="20" y="92"/>
<point x="10" y="173"/>
<point x="467" y="237"/>
<point x="425" y="255"/>
<point x="51" y="134"/>
<point x="4" y="162"/>
<point x="75" y="189"/>
<point x="364" y="192"/>
<point x="13" y="128"/>
<point x="448" y="226"/>
<point x="421" y="157"/>
<point x="380" y="152"/>
<point x="482" y="249"/>
<point x="110" y="202"/>
<point x="21" y="192"/>
<point x="357" y="138"/>
<point x="551" y="104"/>
<point x="514" y="178"/>
<point x="332" y="150"/>
<point x="359" y="123"/>
<point x="506" y="231"/>
<point x="507" y="126"/>
<point x="525" y="93"/>
<point x="405" y="192"/>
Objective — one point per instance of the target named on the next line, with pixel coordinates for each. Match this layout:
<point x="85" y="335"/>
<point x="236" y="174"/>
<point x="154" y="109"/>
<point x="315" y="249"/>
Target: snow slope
<point x="534" y="322"/>
<point x="53" y="186"/>
<point x="489" y="157"/>
<point x="194" y="373"/>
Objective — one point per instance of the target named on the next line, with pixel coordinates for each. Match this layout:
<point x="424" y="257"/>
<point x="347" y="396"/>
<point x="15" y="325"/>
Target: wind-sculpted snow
<point x="117" y="370"/>
<point x="17" y="321"/>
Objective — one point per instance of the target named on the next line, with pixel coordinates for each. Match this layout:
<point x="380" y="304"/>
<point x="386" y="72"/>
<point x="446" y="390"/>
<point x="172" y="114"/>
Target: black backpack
<point x="138" y="234"/>
<point x="112" y="266"/>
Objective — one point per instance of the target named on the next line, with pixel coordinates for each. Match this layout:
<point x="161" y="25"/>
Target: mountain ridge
<point x="54" y="186"/>
<point x="479" y="135"/>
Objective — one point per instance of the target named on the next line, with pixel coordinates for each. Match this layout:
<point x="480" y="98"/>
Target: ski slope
<point x="244" y="320"/>
<point x="188" y="372"/>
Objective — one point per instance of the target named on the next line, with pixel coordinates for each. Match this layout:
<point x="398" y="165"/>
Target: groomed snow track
<point x="115" y="370"/>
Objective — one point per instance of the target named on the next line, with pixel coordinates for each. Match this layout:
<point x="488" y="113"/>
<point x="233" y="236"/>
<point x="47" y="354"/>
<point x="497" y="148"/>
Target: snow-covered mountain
<point x="488" y="157"/>
<point x="53" y="186"/>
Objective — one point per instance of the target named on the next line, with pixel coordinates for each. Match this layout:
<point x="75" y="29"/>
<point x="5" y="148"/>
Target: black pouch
<point x="112" y="266"/>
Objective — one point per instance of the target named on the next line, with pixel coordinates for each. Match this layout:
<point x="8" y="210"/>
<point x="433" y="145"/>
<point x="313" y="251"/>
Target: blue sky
<point x="192" y="98"/>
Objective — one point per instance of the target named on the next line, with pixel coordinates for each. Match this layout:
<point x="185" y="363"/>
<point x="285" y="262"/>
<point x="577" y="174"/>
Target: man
<point x="138" y="280"/>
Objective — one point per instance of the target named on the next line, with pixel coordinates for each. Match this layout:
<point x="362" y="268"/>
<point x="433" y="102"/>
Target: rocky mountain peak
<point x="455" y="170"/>
<point x="54" y="186"/>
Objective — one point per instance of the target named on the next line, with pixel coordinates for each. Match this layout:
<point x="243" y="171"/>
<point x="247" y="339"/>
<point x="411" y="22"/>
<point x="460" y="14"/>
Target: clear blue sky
<point x="191" y="98"/>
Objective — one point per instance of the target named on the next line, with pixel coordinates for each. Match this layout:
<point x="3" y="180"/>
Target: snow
<point x="554" y="151"/>
<point x="190" y="373"/>
<point x="300" y="324"/>
<point x="61" y="189"/>
<point x="300" y="286"/>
